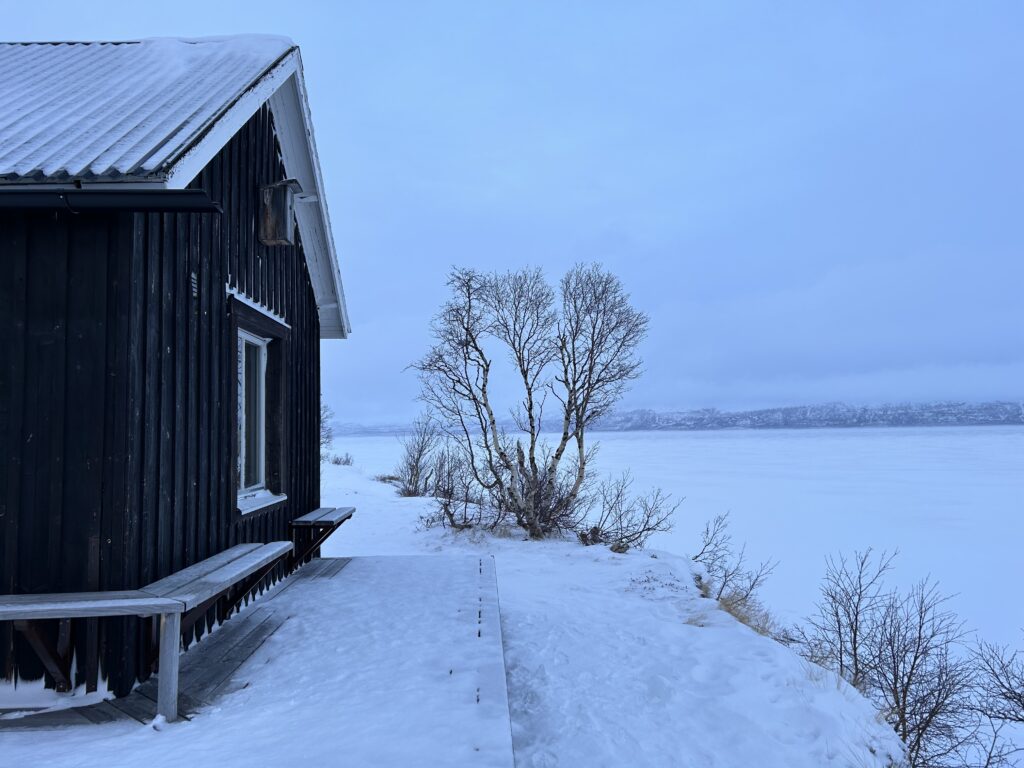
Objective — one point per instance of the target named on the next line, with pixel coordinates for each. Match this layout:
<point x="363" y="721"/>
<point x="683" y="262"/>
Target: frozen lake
<point x="950" y="499"/>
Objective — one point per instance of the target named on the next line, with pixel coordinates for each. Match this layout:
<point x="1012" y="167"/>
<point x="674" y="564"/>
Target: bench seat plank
<point x="323" y="517"/>
<point x="186" y="576"/>
<point x="201" y="589"/>
<point x="310" y="518"/>
<point x="85" y="604"/>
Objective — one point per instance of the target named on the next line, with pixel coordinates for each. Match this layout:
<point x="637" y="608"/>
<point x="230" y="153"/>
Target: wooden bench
<point x="26" y="610"/>
<point x="179" y="600"/>
<point x="311" y="530"/>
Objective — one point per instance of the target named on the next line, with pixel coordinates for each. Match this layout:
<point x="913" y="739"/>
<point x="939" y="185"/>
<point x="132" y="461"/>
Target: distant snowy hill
<point x="350" y="428"/>
<point x="828" y="415"/>
<point x="948" y="414"/>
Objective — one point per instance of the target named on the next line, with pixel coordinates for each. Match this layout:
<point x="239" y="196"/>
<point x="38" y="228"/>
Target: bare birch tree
<point x="574" y="350"/>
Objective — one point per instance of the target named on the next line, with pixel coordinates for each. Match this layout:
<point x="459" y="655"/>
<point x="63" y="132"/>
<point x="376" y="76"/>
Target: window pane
<point x="252" y="470"/>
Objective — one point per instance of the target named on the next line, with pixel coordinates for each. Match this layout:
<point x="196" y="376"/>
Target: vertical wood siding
<point x="117" y="398"/>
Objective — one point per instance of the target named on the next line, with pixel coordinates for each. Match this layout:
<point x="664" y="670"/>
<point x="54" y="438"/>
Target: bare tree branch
<point x="1002" y="682"/>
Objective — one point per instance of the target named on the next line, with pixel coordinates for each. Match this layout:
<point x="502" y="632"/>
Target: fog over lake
<point x="949" y="498"/>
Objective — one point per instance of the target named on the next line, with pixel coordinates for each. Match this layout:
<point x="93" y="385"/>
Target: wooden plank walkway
<point x="208" y="670"/>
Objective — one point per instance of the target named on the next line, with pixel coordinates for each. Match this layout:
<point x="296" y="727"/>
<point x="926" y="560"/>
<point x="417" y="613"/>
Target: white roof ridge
<point x="284" y="39"/>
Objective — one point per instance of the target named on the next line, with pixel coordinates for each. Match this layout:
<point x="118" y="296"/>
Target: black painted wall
<point x="118" y="398"/>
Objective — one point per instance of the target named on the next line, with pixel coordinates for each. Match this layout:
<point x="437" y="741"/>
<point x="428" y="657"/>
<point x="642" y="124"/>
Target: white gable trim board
<point x="290" y="107"/>
<point x="284" y="89"/>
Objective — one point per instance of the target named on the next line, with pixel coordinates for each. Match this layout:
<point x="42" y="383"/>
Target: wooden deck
<point x="208" y="670"/>
<point x="386" y="658"/>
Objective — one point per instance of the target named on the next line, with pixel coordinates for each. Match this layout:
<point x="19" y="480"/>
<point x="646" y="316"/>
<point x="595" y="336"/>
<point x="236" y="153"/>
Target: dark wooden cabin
<point x="166" y="275"/>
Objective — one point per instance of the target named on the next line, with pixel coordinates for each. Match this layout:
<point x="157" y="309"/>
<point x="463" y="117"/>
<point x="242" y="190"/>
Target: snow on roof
<point x="119" y="110"/>
<point x="156" y="111"/>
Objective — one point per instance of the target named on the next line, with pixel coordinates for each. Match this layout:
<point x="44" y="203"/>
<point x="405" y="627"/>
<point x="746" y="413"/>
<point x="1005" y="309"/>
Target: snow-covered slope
<point x="616" y="660"/>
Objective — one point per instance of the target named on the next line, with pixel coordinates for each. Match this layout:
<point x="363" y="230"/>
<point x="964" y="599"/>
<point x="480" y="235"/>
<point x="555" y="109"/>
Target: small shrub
<point x="727" y="573"/>
<point x="755" y="615"/>
<point x="414" y="468"/>
<point x="728" y="580"/>
<point x="326" y="430"/>
<point x="344" y="460"/>
<point x="922" y="686"/>
<point x="852" y="595"/>
<point x="623" y="521"/>
<point x="459" y="504"/>
<point x="389" y="479"/>
<point x="906" y="652"/>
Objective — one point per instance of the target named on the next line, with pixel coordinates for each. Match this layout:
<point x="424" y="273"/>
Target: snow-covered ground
<point x="617" y="661"/>
<point x="951" y="499"/>
<point x="612" y="660"/>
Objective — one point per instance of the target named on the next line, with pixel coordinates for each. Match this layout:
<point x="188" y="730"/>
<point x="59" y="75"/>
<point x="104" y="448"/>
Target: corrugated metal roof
<point x="118" y="110"/>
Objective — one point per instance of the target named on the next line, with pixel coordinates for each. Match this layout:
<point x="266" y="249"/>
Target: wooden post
<point x="170" y="644"/>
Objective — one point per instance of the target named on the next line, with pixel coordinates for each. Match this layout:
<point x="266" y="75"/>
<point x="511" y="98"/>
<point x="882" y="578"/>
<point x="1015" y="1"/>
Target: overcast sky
<point x="813" y="201"/>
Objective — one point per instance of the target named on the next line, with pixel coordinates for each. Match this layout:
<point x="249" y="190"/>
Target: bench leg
<point x="56" y="660"/>
<point x="170" y="644"/>
<point x="312" y="538"/>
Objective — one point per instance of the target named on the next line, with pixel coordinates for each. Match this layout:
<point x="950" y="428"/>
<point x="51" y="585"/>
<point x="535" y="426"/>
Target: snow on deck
<point x="381" y="663"/>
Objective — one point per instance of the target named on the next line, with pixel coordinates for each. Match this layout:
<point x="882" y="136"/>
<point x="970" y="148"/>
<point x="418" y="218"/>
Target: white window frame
<point x="254" y="490"/>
